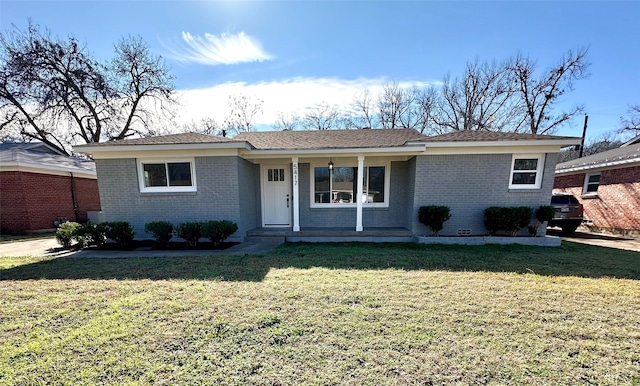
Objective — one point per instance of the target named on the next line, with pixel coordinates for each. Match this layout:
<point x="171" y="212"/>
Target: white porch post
<point x="296" y="196"/>
<point x="359" y="194"/>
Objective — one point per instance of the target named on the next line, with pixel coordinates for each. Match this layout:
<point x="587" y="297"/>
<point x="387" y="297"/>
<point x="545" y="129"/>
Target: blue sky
<point x="293" y="54"/>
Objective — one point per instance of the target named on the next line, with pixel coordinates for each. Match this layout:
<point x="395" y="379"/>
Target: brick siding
<point x="33" y="201"/>
<point x="617" y="205"/>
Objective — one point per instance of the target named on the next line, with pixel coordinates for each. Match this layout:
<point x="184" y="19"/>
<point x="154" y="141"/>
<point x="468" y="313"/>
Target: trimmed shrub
<point x="91" y="234"/>
<point x="120" y="232"/>
<point x="218" y="231"/>
<point x="545" y="213"/>
<point x="66" y="232"/>
<point x="434" y="217"/>
<point x="190" y="231"/>
<point x="162" y="231"/>
<point x="509" y="219"/>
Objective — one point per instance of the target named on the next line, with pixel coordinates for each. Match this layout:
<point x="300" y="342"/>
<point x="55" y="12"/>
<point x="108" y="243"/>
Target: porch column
<point x="359" y="193"/>
<point x="296" y="196"/>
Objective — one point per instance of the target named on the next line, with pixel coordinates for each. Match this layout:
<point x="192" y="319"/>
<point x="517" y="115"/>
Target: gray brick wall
<point x="470" y="183"/>
<point x="218" y="196"/>
<point x="249" y="194"/>
<point x="394" y="216"/>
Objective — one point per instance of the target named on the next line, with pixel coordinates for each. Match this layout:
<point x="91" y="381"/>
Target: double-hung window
<point x="591" y="183"/>
<point x="526" y="171"/>
<point x="338" y="186"/>
<point x="166" y="176"/>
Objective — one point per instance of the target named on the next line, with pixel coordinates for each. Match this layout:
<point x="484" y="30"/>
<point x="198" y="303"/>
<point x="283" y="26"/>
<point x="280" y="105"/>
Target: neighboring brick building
<point x="38" y="185"/>
<point x="608" y="185"/>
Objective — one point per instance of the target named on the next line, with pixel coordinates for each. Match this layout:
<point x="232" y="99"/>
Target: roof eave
<point x="520" y="142"/>
<point x="90" y="149"/>
<point x="407" y="149"/>
<point x="599" y="165"/>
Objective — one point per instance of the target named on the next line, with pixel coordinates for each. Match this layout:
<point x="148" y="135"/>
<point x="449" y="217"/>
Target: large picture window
<point x="166" y="176"/>
<point x="338" y="187"/>
<point x="526" y="171"/>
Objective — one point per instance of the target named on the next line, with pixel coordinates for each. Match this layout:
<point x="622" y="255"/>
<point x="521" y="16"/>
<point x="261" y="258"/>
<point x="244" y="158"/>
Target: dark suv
<point x="568" y="214"/>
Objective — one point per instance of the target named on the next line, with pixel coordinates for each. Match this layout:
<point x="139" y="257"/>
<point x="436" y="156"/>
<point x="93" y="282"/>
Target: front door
<point x="276" y="195"/>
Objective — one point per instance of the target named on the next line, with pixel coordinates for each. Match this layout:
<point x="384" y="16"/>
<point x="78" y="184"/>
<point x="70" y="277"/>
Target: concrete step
<point x="264" y="239"/>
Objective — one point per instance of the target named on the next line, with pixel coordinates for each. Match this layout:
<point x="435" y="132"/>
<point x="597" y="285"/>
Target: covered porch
<point x="332" y="234"/>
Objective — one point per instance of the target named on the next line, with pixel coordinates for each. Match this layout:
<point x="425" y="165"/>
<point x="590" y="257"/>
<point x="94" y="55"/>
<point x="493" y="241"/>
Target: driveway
<point x="599" y="239"/>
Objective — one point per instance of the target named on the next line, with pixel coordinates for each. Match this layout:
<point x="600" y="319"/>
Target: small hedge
<point x="162" y="231"/>
<point x="67" y="232"/>
<point x="434" y="217"/>
<point x="120" y="232"/>
<point x="218" y="231"/>
<point x="190" y="231"/>
<point x="507" y="219"/>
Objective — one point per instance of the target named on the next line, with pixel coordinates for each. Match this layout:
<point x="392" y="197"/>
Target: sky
<point x="295" y="54"/>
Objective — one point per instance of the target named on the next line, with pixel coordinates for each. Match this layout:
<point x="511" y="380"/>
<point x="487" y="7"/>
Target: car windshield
<point x="564" y="200"/>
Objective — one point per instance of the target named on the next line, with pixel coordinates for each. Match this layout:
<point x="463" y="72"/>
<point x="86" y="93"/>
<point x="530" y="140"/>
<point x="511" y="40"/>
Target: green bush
<point x="218" y="231"/>
<point x="162" y="231"/>
<point x="509" y="219"/>
<point x="190" y="231"/>
<point x="66" y="232"/>
<point x="545" y="213"/>
<point x="434" y="217"/>
<point x="120" y="232"/>
<point x="90" y="234"/>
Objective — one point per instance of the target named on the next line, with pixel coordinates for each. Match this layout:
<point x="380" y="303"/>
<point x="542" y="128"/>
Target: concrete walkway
<point x="50" y="247"/>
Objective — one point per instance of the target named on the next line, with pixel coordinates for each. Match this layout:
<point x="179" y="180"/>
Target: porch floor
<point x="395" y="234"/>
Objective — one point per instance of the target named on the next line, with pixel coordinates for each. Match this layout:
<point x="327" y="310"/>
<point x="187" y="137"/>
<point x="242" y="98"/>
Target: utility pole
<point x="584" y="134"/>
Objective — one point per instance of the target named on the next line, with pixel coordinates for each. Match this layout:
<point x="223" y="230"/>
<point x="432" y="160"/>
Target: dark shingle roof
<point x="171" y="139"/>
<point x="470" y="136"/>
<point x="621" y="155"/>
<point x="18" y="155"/>
<point x="329" y="139"/>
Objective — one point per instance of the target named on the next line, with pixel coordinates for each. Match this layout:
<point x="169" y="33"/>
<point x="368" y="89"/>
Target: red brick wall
<point x="617" y="205"/>
<point x="32" y="201"/>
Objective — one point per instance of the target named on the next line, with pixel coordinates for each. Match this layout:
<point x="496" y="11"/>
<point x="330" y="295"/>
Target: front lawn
<point x="326" y="314"/>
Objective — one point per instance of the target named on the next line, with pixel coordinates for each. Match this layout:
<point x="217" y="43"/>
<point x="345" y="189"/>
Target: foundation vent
<point x="464" y="232"/>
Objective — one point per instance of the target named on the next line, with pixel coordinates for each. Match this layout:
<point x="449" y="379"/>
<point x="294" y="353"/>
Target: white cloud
<point x="291" y="96"/>
<point x="213" y="50"/>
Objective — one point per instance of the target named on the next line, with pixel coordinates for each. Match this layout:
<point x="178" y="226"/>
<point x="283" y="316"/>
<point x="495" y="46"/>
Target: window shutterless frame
<point x="526" y="171"/>
<point x="166" y="175"/>
<point x="340" y="194"/>
<point x="591" y="184"/>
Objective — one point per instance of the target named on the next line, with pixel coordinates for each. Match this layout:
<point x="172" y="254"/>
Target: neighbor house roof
<point x="32" y="158"/>
<point x="330" y="139"/>
<point x="615" y="157"/>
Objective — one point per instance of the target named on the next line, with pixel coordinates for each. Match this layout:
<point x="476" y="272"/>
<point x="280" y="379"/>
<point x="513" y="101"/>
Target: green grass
<point x="326" y="314"/>
<point x="11" y="238"/>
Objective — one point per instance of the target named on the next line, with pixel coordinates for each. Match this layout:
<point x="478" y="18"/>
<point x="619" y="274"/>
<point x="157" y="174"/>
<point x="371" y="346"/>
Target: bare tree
<point x="286" y="121"/>
<point x="394" y="105"/>
<point x="425" y="105"/>
<point x="539" y="94"/>
<point x="206" y="125"/>
<point x="606" y="141"/>
<point x="243" y="111"/>
<point x="54" y="91"/>
<point x="631" y="123"/>
<point x="481" y="100"/>
<point x="322" y="116"/>
<point x="364" y="110"/>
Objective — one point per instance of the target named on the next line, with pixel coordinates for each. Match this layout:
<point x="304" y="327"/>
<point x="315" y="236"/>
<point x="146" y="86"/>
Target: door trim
<point x="263" y="198"/>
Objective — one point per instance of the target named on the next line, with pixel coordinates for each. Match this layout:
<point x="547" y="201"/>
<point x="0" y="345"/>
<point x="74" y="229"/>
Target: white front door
<point x="276" y="195"/>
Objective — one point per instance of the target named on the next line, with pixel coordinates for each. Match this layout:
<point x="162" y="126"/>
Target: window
<point x="526" y="171"/>
<point x="591" y="183"/>
<point x="166" y="176"/>
<point x="338" y="187"/>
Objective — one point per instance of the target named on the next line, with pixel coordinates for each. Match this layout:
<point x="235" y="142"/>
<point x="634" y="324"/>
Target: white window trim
<point x="166" y="189"/>
<point x="539" y="170"/>
<point x="586" y="183"/>
<point x="387" y="184"/>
